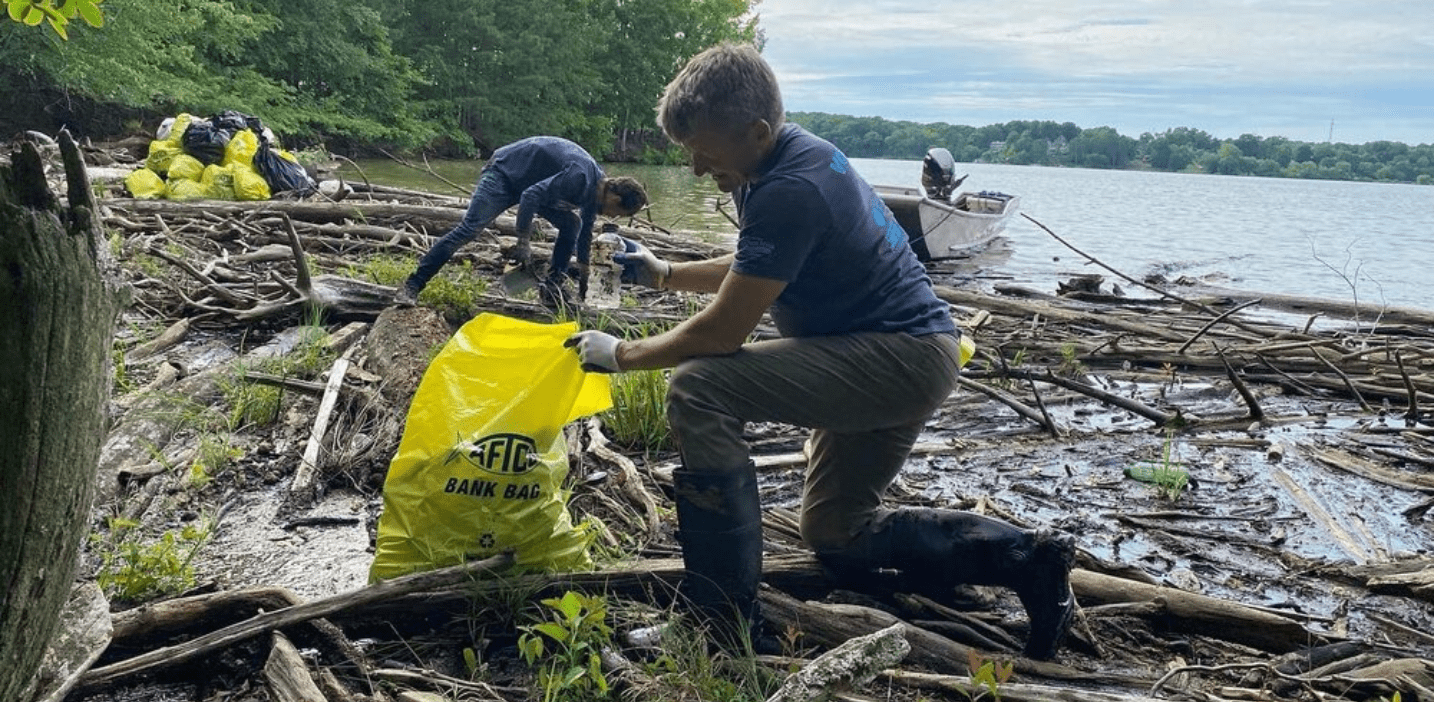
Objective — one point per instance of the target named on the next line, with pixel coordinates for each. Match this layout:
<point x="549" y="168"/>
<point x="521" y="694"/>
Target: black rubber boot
<point x="719" y="521"/>
<point x="938" y="549"/>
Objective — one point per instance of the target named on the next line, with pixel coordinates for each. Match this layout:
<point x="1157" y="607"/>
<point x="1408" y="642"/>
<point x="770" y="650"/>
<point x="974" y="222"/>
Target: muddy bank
<point x="1293" y="562"/>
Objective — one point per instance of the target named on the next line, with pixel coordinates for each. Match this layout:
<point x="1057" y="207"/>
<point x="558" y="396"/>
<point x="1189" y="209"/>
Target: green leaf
<point x="67" y="8"/>
<point x="17" y="9"/>
<point x="90" y="14"/>
<point x="555" y="631"/>
<point x="570" y="606"/>
<point x="59" y="27"/>
<point x="34" y="16"/>
<point x="573" y="675"/>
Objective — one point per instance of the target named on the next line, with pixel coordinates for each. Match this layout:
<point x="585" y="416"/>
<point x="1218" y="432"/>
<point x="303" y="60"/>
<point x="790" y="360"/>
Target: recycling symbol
<point x="487" y="540"/>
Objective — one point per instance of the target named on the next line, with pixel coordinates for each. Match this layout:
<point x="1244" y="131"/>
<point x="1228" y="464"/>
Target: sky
<point x="1361" y="70"/>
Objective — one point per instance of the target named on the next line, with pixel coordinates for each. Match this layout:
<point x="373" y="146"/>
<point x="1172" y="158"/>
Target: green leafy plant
<point x="1070" y="365"/>
<point x="215" y="453"/>
<point x="638" y="418"/>
<point x="134" y="571"/>
<point x="123" y="383"/>
<point x="685" y="669"/>
<point x="986" y="677"/>
<point x="384" y="270"/>
<point x="250" y="403"/>
<point x="568" y="647"/>
<point x="1169" y="477"/>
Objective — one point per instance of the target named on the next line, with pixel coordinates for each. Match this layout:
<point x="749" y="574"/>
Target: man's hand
<point x="597" y="351"/>
<point x="521" y="253"/>
<point x="642" y="267"/>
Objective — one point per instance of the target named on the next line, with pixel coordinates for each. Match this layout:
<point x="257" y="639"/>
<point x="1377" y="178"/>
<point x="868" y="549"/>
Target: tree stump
<point x="58" y="304"/>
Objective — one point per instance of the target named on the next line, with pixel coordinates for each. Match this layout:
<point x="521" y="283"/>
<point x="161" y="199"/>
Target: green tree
<point x="149" y="59"/>
<point x="648" y="41"/>
<point x="496" y="73"/>
<point x="335" y="61"/>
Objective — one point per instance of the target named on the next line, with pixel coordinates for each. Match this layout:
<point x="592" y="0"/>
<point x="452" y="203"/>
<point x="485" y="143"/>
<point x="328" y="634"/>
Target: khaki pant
<point x="865" y="397"/>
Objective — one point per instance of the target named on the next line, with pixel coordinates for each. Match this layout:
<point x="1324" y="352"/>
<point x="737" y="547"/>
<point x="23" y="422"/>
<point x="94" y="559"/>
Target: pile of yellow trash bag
<point x="227" y="157"/>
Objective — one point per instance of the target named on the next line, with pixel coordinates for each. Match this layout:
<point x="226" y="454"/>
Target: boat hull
<point x="939" y="229"/>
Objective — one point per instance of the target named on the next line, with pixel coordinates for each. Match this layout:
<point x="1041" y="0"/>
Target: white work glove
<point x="642" y="267"/>
<point x="596" y="350"/>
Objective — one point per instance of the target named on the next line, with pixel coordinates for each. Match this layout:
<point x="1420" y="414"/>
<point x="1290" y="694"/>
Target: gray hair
<point x="727" y="87"/>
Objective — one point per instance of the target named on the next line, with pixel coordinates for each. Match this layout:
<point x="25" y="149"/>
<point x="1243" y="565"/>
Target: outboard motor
<point x="938" y="174"/>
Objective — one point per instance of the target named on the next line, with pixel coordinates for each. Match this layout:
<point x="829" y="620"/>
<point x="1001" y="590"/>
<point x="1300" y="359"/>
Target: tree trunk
<point x="57" y="313"/>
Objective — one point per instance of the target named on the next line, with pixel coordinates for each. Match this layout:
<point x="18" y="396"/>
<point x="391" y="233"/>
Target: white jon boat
<point x="940" y="222"/>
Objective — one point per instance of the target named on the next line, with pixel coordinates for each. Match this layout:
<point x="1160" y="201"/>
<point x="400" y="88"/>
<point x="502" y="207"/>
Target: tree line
<point x="460" y="77"/>
<point x="1181" y="149"/>
<point x="463" y="77"/>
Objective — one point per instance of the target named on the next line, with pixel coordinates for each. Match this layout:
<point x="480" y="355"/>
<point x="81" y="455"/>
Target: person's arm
<point x="718" y="329"/>
<point x="567" y="185"/>
<point x="700" y="276"/>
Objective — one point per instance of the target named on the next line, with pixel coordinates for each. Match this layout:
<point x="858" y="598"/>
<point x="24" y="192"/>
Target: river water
<point x="1370" y="242"/>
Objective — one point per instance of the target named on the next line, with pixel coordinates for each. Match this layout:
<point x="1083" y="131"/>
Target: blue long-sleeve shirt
<point x="552" y="173"/>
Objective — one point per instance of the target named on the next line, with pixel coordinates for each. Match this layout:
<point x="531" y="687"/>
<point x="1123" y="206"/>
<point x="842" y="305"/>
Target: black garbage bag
<point x="280" y="173"/>
<point x="233" y="121"/>
<point x="205" y="141"/>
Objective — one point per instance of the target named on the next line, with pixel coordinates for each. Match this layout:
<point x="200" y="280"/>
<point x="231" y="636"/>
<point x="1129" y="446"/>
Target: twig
<point x="1347" y="382"/>
<point x="1007" y="400"/>
<point x="368" y="185"/>
<point x="1215" y="321"/>
<point x="1412" y="414"/>
<point x="1256" y="413"/>
<point x="305" y="282"/>
<point x="1041" y="405"/>
<point x="429" y="170"/>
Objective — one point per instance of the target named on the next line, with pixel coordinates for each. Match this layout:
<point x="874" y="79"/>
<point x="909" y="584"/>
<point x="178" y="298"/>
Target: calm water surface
<point x="1300" y="237"/>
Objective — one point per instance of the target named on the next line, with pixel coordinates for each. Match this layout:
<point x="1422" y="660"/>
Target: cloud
<point x="1157" y="63"/>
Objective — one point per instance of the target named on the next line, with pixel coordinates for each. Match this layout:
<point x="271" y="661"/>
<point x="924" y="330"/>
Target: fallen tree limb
<point x="1196" y="613"/>
<point x="270" y="621"/>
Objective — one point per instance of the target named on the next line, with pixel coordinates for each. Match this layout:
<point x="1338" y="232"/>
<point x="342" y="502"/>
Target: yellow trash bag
<point x="248" y="184"/>
<point x="241" y="148"/>
<point x="218" y="182"/>
<point x="481" y="464"/>
<point x="185" y="167"/>
<point x="185" y="189"/>
<point x="144" y="184"/>
<point x="161" y="155"/>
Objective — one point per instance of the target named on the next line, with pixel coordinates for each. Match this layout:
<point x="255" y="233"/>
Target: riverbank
<point x="1298" y="535"/>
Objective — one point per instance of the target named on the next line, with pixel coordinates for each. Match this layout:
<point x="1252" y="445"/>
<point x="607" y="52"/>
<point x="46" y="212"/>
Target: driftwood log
<point x="60" y="299"/>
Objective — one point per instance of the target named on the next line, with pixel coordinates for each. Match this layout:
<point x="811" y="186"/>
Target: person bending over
<point x="867" y="354"/>
<point x="547" y="177"/>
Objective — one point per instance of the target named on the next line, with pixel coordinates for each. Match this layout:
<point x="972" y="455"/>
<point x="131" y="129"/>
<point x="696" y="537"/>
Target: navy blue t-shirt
<point x="552" y="174"/>
<point x="808" y="219"/>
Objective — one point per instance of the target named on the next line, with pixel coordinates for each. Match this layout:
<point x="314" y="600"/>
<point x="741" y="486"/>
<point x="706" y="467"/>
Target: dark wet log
<point x="1418" y="584"/>
<point x="1011" y="690"/>
<point x="56" y="322"/>
<point x="200" y="613"/>
<point x="830" y="625"/>
<point x="1199" y="614"/>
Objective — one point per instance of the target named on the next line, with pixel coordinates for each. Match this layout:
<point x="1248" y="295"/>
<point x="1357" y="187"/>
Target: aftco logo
<point x="501" y="454"/>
